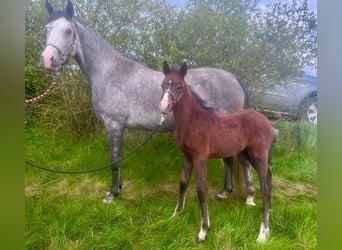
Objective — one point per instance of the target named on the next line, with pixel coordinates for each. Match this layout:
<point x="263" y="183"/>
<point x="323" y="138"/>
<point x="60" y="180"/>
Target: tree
<point x="262" y="46"/>
<point x="287" y="33"/>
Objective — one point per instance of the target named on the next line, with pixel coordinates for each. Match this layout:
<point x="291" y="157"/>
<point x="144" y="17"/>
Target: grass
<point x="66" y="211"/>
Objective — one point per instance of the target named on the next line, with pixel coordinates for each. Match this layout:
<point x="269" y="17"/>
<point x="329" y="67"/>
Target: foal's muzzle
<point x="166" y="103"/>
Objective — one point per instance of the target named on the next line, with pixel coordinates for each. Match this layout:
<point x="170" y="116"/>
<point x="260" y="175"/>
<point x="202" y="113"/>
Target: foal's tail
<point x="275" y="137"/>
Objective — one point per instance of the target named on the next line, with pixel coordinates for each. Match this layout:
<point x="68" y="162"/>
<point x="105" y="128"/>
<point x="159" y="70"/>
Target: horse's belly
<point x="222" y="149"/>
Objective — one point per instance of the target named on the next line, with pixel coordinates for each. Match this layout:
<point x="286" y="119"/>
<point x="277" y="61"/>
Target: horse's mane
<point x="200" y="101"/>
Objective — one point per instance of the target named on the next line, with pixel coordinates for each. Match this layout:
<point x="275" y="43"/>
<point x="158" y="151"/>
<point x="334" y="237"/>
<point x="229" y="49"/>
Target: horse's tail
<point x="275" y="137"/>
<point x="245" y="92"/>
<point x="239" y="177"/>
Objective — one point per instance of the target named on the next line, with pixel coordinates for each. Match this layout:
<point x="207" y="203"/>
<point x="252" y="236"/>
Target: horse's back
<point x="219" y="89"/>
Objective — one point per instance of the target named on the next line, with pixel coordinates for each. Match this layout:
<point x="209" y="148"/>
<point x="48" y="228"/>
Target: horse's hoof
<point x="222" y="196"/>
<point x="264" y="233"/>
<point x="250" y="201"/>
<point x="108" y="198"/>
<point x="200" y="239"/>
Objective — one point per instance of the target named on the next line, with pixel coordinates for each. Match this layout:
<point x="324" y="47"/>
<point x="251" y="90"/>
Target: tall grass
<point x="66" y="211"/>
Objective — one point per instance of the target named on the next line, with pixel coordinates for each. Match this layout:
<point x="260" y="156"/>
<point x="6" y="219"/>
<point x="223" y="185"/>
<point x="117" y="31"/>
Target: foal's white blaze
<point x="164" y="104"/>
<point x="264" y="232"/>
<point x="250" y="200"/>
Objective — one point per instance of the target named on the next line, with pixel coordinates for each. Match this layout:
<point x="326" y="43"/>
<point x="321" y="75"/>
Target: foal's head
<point x="172" y="85"/>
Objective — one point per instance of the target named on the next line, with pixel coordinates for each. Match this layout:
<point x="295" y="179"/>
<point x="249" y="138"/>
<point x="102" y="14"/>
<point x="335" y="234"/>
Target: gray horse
<point x="124" y="91"/>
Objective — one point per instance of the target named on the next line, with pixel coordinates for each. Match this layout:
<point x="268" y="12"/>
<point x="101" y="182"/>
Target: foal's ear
<point x="182" y="70"/>
<point x="166" y="68"/>
<point x="48" y="7"/>
<point x="69" y="9"/>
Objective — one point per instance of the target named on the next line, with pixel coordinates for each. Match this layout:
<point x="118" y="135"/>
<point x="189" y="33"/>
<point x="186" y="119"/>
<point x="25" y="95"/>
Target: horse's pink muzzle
<point x="51" y="58"/>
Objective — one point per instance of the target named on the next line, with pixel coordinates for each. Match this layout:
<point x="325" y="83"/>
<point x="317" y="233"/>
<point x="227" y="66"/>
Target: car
<point x="296" y="99"/>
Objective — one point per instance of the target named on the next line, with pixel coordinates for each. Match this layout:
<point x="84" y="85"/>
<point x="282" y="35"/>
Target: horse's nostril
<point x="52" y="58"/>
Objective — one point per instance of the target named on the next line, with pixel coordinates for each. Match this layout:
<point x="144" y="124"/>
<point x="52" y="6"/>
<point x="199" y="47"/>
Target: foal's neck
<point x="186" y="108"/>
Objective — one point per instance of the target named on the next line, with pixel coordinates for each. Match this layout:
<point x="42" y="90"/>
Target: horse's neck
<point x="95" y="55"/>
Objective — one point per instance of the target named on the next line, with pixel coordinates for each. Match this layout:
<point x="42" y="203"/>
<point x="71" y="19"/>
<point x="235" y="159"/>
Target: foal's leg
<point x="228" y="182"/>
<point x="115" y="139"/>
<point x="265" y="177"/>
<point x="184" y="183"/>
<point x="201" y="172"/>
<point x="249" y="179"/>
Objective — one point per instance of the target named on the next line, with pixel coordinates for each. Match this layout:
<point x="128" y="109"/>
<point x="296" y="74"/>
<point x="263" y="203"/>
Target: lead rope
<point x="49" y="89"/>
<point x="149" y="137"/>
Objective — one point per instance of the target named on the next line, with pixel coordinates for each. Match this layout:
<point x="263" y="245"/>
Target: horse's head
<point x="60" y="37"/>
<point x="172" y="85"/>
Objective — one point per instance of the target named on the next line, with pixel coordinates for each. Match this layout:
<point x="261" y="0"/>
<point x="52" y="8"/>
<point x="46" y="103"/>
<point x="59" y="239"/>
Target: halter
<point x="69" y="51"/>
<point x="169" y="91"/>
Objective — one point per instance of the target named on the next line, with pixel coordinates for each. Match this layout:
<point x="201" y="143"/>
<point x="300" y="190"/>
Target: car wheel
<point x="309" y="110"/>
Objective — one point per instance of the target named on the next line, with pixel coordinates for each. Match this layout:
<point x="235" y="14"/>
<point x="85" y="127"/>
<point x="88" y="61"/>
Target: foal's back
<point x="229" y="134"/>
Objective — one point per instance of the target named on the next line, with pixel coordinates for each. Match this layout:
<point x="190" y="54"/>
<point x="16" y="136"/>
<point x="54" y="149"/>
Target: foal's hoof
<point x="264" y="233"/>
<point x="200" y="240"/>
<point x="250" y="201"/>
<point x="108" y="198"/>
<point x="202" y="236"/>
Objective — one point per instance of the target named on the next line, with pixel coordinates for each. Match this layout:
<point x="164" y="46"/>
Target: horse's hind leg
<point x="228" y="182"/>
<point x="115" y="138"/>
<point x="249" y="179"/>
<point x="265" y="177"/>
<point x="184" y="183"/>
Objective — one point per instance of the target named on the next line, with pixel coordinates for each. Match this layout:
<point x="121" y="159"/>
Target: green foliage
<point x="66" y="211"/>
<point x="261" y="46"/>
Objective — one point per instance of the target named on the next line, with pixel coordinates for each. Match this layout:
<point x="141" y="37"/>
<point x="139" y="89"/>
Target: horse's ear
<point x="183" y="69"/>
<point x="69" y="9"/>
<point x="166" y="68"/>
<point x="48" y="7"/>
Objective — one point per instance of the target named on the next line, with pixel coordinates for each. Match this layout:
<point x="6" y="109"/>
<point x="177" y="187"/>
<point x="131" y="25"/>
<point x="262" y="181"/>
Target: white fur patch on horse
<point x="108" y="198"/>
<point x="202" y="234"/>
<point x="250" y="201"/>
<point x="264" y="232"/>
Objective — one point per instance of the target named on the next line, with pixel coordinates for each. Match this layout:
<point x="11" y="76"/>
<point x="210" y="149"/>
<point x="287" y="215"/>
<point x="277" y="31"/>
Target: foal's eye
<point x="68" y="31"/>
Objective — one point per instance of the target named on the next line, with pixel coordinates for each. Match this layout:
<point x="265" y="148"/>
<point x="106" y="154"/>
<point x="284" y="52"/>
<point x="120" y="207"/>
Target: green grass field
<point x="66" y="211"/>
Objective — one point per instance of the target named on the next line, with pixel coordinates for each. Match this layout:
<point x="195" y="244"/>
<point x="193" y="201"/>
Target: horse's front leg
<point x="115" y="141"/>
<point x="184" y="183"/>
<point x="201" y="172"/>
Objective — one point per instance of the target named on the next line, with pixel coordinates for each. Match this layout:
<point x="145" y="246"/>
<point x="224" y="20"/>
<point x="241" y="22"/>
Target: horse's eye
<point x="68" y="31"/>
